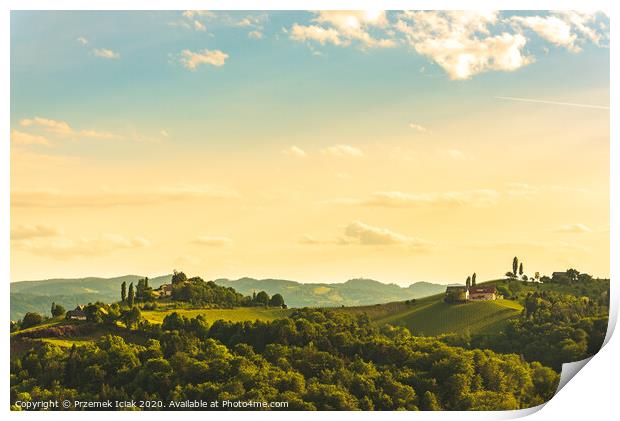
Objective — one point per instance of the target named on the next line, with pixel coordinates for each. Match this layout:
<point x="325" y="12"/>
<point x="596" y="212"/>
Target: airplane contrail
<point x="540" y="101"/>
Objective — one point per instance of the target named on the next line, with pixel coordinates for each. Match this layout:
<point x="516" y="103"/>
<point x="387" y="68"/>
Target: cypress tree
<point x="123" y="291"/>
<point x="515" y="265"/>
<point x="131" y="295"/>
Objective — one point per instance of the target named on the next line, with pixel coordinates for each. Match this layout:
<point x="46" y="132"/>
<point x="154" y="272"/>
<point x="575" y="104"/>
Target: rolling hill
<point x="238" y="314"/>
<point x="432" y="316"/>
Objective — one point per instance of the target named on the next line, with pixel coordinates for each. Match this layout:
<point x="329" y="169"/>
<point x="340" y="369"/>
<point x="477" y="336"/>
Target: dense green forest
<point x="309" y="358"/>
<point x="316" y="359"/>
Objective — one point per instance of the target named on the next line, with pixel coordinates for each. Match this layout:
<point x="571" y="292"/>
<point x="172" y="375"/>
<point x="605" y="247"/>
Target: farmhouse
<point x="77" y="314"/>
<point x="165" y="290"/>
<point x="455" y="293"/>
<point x="482" y="293"/>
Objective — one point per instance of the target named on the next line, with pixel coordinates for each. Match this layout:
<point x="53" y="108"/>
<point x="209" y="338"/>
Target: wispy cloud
<point x="212" y="241"/>
<point x="256" y="34"/>
<point x="82" y="40"/>
<point x="57" y="199"/>
<point x="343" y="151"/>
<point x="22" y="138"/>
<point x="542" y="101"/>
<point x="25" y="232"/>
<point x="106" y="53"/>
<point x="295" y="151"/>
<point x="418" y="127"/>
<point x="573" y="229"/>
<point x="192" y="60"/>
<point x="396" y="199"/>
<point x="62" y="128"/>
<point x="529" y="191"/>
<point x="66" y="248"/>
<point x="360" y="233"/>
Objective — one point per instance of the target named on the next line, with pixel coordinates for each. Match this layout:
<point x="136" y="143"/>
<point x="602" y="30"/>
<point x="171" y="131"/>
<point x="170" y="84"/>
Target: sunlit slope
<point x="239" y="314"/>
<point x="432" y="316"/>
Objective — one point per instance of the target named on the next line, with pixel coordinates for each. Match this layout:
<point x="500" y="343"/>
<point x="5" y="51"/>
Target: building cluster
<point x="471" y="293"/>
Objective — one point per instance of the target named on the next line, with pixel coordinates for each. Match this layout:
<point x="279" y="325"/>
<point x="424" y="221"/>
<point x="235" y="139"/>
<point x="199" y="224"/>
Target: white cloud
<point x="82" y="40"/>
<point x="255" y="21"/>
<point x="479" y="197"/>
<point x="57" y="199"/>
<point x="585" y="24"/>
<point x="573" y="229"/>
<point x="360" y="233"/>
<point x="353" y="25"/>
<point x="418" y="128"/>
<point x="54" y="126"/>
<point x="396" y="199"/>
<point x="193" y="20"/>
<point x="192" y="60"/>
<point x="105" y="53"/>
<point x="343" y="151"/>
<point x="199" y="26"/>
<point x="198" y="13"/>
<point x="314" y="33"/>
<point x="212" y="241"/>
<point x="164" y="133"/>
<point x="62" y="128"/>
<point x="66" y="248"/>
<point x="24" y="232"/>
<point x="551" y="28"/>
<point x="295" y="151"/>
<point x="343" y="27"/>
<point x="21" y="138"/>
<point x="461" y="42"/>
<point x="255" y="34"/>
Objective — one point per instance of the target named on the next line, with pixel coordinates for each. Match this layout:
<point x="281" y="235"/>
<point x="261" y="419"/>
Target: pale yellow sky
<point x="323" y="164"/>
<point x="399" y="209"/>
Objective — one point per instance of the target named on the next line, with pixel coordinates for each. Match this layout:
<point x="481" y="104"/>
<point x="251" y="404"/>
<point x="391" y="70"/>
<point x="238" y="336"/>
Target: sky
<point x="312" y="146"/>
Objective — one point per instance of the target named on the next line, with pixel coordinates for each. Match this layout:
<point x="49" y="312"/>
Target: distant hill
<point x="37" y="296"/>
<point x="354" y="292"/>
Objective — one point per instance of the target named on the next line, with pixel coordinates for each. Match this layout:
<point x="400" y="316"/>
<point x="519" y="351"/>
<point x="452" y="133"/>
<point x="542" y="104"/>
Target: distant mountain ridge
<point x="38" y="296"/>
<point x="350" y="293"/>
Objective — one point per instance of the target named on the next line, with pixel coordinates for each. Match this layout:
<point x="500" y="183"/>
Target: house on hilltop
<point x="460" y="293"/>
<point x="482" y="293"/>
<point x="77" y="314"/>
<point x="164" y="290"/>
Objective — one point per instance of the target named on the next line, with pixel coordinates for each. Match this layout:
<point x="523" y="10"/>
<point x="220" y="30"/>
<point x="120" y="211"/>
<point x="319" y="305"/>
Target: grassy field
<point x="238" y="314"/>
<point x="431" y="316"/>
